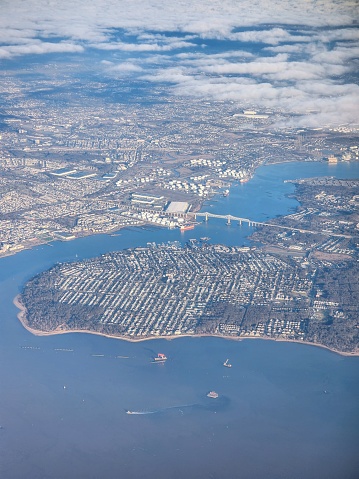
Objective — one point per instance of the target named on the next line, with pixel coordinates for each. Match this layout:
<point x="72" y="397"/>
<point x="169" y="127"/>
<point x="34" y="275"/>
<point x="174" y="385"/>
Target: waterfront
<point x="286" y="410"/>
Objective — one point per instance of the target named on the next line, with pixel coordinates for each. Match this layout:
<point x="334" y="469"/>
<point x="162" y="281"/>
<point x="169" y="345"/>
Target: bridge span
<point x="206" y="215"/>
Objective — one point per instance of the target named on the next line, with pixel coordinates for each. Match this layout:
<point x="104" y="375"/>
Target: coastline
<point x="22" y="318"/>
<point x="30" y="244"/>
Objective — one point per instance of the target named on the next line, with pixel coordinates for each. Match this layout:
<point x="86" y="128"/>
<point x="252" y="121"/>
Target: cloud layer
<point x="297" y="56"/>
<point x="93" y="20"/>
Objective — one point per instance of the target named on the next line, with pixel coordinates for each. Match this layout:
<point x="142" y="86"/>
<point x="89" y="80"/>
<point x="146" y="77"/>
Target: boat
<point x="160" y="358"/>
<point x="186" y="227"/>
<point x="226" y="193"/>
<point x="212" y="394"/>
<point x="227" y="364"/>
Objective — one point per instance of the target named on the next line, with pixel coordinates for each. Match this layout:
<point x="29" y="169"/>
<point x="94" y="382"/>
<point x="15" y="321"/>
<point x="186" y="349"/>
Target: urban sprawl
<point x="77" y="168"/>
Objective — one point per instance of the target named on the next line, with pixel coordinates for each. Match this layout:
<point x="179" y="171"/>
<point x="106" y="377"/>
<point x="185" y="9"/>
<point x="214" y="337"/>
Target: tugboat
<point x="212" y="394"/>
<point x="186" y="227"/>
<point x="227" y="364"/>
<point x="160" y="358"/>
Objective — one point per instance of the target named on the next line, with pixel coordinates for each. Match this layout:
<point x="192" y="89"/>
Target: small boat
<point x="160" y="358"/>
<point x="227" y="364"/>
<point x="212" y="394"/>
<point x="226" y="193"/>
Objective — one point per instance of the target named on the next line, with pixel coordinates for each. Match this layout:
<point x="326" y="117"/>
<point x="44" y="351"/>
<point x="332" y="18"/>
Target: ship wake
<point x="219" y="404"/>
<point x="158" y="411"/>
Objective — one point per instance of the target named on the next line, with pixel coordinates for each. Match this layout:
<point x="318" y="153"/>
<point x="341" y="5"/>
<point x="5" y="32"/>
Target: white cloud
<point x="125" y="67"/>
<point x="141" y="47"/>
<point x="93" y="20"/>
<point x="170" y="75"/>
<point x="275" y="82"/>
<point x="297" y="69"/>
<point x="339" y="55"/>
<point x="272" y="37"/>
<point x="298" y="48"/>
<point x="339" y="34"/>
<point x="38" y="48"/>
<point x="332" y="104"/>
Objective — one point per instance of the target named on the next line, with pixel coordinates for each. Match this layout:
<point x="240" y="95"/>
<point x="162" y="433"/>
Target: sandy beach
<point x="22" y="318"/>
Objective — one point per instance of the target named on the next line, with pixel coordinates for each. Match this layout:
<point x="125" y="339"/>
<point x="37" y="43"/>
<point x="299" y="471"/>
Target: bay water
<point x="285" y="410"/>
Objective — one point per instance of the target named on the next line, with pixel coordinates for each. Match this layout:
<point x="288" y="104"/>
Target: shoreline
<point x="29" y="244"/>
<point x="22" y="318"/>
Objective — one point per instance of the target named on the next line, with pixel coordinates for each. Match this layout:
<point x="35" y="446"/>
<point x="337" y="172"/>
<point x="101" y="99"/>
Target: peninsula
<point x="201" y="289"/>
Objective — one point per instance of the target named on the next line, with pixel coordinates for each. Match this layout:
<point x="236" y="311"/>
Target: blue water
<point x="284" y="411"/>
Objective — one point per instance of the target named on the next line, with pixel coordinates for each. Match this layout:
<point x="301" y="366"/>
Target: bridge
<point x="230" y="218"/>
